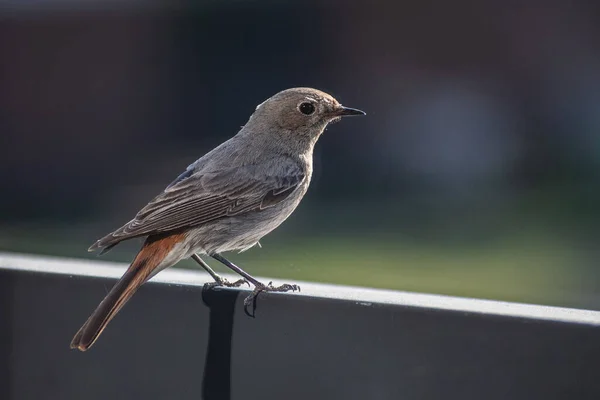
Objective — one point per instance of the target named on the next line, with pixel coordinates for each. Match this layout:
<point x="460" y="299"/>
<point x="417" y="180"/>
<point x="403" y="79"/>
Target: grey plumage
<point x="257" y="178"/>
<point x="226" y="200"/>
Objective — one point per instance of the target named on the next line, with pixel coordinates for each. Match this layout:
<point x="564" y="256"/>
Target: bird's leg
<point x="219" y="281"/>
<point x="258" y="286"/>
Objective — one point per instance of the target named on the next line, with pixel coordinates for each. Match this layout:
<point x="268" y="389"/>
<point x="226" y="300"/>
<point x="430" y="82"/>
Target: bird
<point x="225" y="201"/>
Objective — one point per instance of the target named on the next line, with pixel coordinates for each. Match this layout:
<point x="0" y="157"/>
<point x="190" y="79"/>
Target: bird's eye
<point x="306" y="108"/>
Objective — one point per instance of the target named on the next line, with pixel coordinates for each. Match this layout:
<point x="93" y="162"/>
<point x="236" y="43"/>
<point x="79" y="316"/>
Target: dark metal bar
<point x="176" y="341"/>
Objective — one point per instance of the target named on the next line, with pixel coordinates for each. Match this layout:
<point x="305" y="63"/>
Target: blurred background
<point x="476" y="172"/>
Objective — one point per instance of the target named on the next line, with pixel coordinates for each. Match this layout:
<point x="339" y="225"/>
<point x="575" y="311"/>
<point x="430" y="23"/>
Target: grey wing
<point x="199" y="197"/>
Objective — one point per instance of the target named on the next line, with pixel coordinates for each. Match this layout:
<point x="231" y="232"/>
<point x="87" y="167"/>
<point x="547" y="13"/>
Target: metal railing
<point x="175" y="340"/>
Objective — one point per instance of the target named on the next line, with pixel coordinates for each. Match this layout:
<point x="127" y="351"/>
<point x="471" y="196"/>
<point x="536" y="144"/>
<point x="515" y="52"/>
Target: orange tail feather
<point x="143" y="267"/>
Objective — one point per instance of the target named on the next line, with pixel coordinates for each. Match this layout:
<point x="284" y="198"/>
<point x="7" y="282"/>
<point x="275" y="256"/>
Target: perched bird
<point x="227" y="200"/>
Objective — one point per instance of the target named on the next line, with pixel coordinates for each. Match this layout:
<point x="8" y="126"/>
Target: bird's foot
<point x="224" y="282"/>
<point x="286" y="287"/>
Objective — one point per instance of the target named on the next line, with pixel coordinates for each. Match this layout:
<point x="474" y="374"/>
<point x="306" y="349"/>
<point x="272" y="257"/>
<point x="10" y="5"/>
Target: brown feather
<point x="144" y="266"/>
<point x="197" y="200"/>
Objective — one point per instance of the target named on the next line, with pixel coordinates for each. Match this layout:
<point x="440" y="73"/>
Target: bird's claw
<point x="224" y="282"/>
<point x="237" y="283"/>
<point x="286" y="287"/>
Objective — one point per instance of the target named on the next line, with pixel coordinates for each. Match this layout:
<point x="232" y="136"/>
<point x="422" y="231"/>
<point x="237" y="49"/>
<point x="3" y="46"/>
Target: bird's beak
<point x="347" y="111"/>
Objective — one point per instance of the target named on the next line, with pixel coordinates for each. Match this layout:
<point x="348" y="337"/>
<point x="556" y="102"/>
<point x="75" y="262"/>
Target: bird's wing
<point x="195" y="198"/>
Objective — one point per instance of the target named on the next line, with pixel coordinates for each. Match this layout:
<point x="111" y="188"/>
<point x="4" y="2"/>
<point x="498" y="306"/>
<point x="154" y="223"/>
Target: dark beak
<point x="347" y="111"/>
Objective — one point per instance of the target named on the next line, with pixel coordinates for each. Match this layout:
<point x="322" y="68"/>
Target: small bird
<point x="227" y="200"/>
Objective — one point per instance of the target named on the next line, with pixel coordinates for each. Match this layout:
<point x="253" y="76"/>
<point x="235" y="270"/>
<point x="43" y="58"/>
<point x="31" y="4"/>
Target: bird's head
<point x="302" y="111"/>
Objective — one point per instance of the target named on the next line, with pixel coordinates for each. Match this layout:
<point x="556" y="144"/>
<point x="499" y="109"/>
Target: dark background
<point x="475" y="173"/>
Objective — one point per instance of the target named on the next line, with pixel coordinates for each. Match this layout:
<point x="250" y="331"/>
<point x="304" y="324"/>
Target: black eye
<point x="307" y="108"/>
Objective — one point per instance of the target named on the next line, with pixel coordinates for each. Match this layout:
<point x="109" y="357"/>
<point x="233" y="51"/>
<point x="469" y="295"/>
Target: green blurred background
<point x="476" y="172"/>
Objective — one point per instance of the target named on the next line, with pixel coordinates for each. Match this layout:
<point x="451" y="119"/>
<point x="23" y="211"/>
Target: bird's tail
<point x="145" y="265"/>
